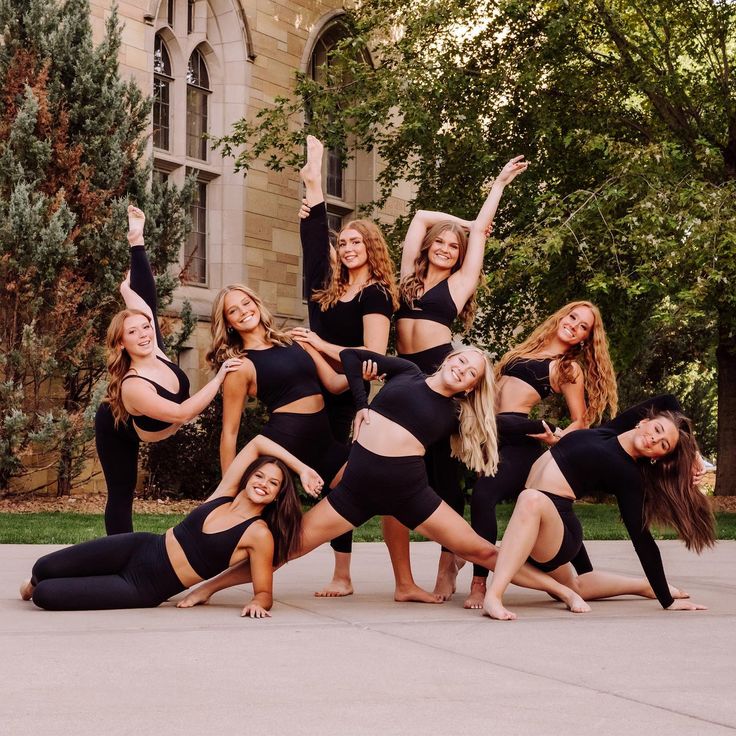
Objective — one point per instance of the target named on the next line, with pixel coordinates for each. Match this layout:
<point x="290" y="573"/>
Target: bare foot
<point x="136" y="223"/>
<point x="196" y="597"/>
<point x="493" y="607"/>
<point x="676" y="593"/>
<point x="336" y="588"/>
<point x="575" y="603"/>
<point x="477" y="594"/>
<point x="312" y="170"/>
<point x="26" y="590"/>
<point x="447" y="570"/>
<point x="415" y="594"/>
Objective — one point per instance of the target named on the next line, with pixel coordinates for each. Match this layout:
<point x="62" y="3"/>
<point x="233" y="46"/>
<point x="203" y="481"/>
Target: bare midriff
<point x="416" y="335"/>
<point x="385" y="437"/>
<point x="305" y="405"/>
<point x="155" y="436"/>
<point x="515" y="395"/>
<point x="545" y="475"/>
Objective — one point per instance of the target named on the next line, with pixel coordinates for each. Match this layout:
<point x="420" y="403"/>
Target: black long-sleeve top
<point x="405" y="399"/>
<point x="593" y="460"/>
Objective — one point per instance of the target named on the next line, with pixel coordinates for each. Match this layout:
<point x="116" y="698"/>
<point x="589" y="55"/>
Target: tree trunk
<point x="726" y="362"/>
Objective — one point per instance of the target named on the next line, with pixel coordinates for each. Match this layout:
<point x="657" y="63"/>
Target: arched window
<point x="198" y="91"/>
<point x="162" y="82"/>
<point x="195" y="249"/>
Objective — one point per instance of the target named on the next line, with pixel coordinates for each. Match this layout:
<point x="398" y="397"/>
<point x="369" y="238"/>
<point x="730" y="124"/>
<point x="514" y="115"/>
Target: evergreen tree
<point x="72" y="155"/>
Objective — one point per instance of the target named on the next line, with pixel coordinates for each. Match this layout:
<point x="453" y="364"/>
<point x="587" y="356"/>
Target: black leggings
<point x="122" y="571"/>
<point x="390" y="486"/>
<point x="572" y="535"/>
<point x="309" y="438"/>
<point x="117" y="448"/>
<point x="443" y="470"/>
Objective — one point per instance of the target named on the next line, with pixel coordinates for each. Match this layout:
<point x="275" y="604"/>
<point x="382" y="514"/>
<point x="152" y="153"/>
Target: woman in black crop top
<point x="440" y="271"/>
<point x="352" y="295"/>
<point x="147" y="395"/>
<point x="646" y="458"/>
<point x="567" y="354"/>
<point x="386" y="474"/>
<point x="139" y="569"/>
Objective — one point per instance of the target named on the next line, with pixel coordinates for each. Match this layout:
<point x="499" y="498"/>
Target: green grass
<point x="600" y="521"/>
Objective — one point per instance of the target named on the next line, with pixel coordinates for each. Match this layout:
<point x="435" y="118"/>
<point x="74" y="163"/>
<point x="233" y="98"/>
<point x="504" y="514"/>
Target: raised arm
<point x="234" y="395"/>
<point x="333" y="381"/>
<point x="628" y="419"/>
<point x="352" y="360"/>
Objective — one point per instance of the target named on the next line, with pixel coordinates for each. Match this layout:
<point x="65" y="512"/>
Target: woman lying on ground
<point x="646" y="458"/>
<point x="147" y="395"/>
<point x="567" y="354"/>
<point x="352" y="295"/>
<point x="254" y="514"/>
<point x="385" y="473"/>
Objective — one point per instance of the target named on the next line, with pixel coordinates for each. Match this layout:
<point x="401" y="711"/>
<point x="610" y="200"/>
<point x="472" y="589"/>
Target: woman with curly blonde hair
<point x="567" y="354"/>
<point x="147" y="395"/>
<point x="352" y="294"/>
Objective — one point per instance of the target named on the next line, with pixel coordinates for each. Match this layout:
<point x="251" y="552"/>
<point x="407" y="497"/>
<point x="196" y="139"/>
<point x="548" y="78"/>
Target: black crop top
<point x="149" y="424"/>
<point x="593" y="460"/>
<point x="209" y="553"/>
<point x="435" y="305"/>
<point x="284" y="374"/>
<point x="533" y="371"/>
<point x="405" y="399"/>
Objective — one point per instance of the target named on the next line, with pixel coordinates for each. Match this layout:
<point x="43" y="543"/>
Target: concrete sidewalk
<point x="367" y="665"/>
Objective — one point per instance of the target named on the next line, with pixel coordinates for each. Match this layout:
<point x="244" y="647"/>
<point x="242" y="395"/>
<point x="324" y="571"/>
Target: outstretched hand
<point x="682" y="604"/>
<point x="311" y="482"/>
<point x="304" y="210"/>
<point x="231" y="364"/>
<point x="253" y="610"/>
<point x="513" y="168"/>
<point x="548" y="436"/>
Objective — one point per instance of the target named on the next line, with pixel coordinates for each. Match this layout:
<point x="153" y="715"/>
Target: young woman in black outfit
<point x="386" y="473"/>
<point x="147" y="395"/>
<point x="646" y="458"/>
<point x="440" y="271"/>
<point x="253" y="514"/>
<point x="567" y="354"/>
<point x="352" y="295"/>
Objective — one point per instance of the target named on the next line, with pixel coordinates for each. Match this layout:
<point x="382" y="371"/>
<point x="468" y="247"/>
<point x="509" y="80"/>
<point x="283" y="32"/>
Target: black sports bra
<point x="209" y="553"/>
<point x="284" y="374"/>
<point x="149" y="424"/>
<point x="435" y="305"/>
<point x="534" y="371"/>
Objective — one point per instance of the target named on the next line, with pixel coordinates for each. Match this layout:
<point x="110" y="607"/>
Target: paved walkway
<point x="366" y="665"/>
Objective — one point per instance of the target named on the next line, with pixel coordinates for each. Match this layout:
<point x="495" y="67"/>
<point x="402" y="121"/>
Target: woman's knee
<point x="530" y="501"/>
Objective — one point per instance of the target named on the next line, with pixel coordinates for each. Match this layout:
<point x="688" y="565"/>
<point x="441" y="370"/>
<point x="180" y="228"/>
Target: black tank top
<point x="284" y="374"/>
<point x="533" y="371"/>
<point x="209" y="553"/>
<point x="435" y="305"/>
<point x="149" y="424"/>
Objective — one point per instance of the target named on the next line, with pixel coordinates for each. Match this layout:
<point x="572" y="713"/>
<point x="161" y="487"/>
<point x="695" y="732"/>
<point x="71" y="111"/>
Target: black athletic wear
<point x="149" y="424"/>
<point x="534" y="371"/>
<point x="429" y="360"/>
<point x="209" y="553"/>
<point x="435" y="304"/>
<point x="572" y="535"/>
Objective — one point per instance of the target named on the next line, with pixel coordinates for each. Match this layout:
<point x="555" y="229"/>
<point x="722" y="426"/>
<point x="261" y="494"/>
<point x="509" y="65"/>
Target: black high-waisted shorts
<point x="572" y="537"/>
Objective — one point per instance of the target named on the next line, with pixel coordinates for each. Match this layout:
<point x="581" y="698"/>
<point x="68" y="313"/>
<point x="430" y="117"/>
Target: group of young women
<point x="440" y="408"/>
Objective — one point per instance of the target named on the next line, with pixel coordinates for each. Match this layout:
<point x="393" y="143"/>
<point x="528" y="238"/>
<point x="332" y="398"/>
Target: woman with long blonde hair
<point x="352" y="295"/>
<point x="441" y="263"/>
<point x="147" y="395"/>
<point x="647" y="458"/>
<point x="385" y="473"/>
<point x="567" y="354"/>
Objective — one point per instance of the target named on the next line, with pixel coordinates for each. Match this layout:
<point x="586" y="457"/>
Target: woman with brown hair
<point x="566" y="354"/>
<point x="646" y="458"/>
<point x="147" y="395"/>
<point x="352" y="295"/>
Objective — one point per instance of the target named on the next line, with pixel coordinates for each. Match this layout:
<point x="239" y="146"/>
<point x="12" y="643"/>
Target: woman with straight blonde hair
<point x="567" y="354"/>
<point x="147" y="395"/>
<point x="385" y="473"/>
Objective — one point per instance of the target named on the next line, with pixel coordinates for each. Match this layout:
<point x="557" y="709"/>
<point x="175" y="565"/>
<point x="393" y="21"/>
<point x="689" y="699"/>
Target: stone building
<point x="209" y="63"/>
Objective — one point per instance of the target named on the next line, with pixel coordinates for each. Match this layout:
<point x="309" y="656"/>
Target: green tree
<point x="627" y="111"/>
<point x="72" y="145"/>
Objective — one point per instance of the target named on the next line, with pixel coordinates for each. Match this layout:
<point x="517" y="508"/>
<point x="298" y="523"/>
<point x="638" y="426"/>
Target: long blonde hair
<point x="118" y="362"/>
<point x="379" y="263"/>
<point x="226" y="342"/>
<point x="412" y="285"/>
<point x="476" y="442"/>
<point x="599" y="378"/>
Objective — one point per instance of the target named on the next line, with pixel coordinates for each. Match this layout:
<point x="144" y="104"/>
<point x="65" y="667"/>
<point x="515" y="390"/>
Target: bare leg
<point x="447" y="569"/>
<point x="311" y="172"/>
<point x="341" y="583"/>
<point x="596" y="584"/>
<point x="319" y="525"/>
<point x="452" y="531"/>
<point x="396" y="536"/>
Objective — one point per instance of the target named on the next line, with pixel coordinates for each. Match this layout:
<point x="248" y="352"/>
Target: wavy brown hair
<point x="284" y="514"/>
<point x="670" y="497"/>
<point x="379" y="263"/>
<point x="226" y="342"/>
<point x="118" y="362"/>
<point x="599" y="378"/>
<point x="412" y="286"/>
